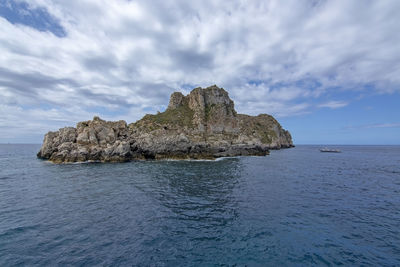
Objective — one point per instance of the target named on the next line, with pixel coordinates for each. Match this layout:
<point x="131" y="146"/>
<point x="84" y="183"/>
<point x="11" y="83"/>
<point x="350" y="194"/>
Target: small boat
<point x="330" y="150"/>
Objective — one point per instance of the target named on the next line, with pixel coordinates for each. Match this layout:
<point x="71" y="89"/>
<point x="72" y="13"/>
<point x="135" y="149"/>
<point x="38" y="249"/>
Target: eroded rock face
<point x="203" y="124"/>
<point x="95" y="140"/>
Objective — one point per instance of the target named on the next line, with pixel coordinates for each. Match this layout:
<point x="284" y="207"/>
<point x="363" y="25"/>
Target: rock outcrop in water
<point x="201" y="125"/>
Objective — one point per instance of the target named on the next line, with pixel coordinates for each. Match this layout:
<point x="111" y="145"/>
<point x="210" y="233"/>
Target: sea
<point x="295" y="207"/>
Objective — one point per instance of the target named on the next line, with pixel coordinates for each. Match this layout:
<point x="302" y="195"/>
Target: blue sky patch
<point x="37" y="18"/>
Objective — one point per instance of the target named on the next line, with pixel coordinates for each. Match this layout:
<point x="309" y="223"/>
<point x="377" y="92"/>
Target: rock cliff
<point x="201" y="125"/>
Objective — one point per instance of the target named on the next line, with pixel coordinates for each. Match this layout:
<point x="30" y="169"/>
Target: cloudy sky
<point x="329" y="71"/>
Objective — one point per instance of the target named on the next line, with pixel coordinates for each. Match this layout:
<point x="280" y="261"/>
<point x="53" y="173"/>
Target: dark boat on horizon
<point x="330" y="150"/>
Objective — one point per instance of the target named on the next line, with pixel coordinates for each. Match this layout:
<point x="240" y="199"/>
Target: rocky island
<point x="201" y="125"/>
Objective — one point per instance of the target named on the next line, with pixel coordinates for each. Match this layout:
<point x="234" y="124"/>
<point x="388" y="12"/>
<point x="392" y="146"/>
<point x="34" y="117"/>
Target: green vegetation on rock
<point x="181" y="116"/>
<point x="208" y="110"/>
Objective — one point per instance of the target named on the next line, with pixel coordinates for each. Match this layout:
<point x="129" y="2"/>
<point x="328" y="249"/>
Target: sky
<point x="329" y="71"/>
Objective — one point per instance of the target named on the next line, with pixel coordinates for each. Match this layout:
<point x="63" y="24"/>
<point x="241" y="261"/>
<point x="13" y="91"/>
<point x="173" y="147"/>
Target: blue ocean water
<point x="296" y="207"/>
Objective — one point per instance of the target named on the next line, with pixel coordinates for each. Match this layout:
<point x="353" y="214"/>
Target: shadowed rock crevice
<point x="201" y="125"/>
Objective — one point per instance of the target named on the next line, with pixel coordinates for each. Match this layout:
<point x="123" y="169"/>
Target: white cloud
<point x="374" y="126"/>
<point x="130" y="55"/>
<point x="386" y="125"/>
<point x="383" y="125"/>
<point x="333" y="104"/>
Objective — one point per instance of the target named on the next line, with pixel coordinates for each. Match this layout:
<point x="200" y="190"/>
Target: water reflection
<point x="196" y="191"/>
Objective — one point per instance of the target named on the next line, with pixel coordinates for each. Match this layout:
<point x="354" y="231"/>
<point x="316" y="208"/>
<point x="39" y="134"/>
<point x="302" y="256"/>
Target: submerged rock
<point x="201" y="125"/>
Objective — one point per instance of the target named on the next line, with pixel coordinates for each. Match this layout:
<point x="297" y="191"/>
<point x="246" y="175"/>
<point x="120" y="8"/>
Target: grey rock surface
<point x="201" y="125"/>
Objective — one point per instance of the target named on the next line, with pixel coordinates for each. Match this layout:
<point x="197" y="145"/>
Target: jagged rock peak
<point x="200" y="98"/>
<point x="206" y="109"/>
<point x="176" y="100"/>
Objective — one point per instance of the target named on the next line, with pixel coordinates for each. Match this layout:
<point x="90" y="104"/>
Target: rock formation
<point x="201" y="125"/>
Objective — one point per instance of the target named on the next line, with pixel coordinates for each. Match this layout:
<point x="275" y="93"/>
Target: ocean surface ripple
<point x="296" y="207"/>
